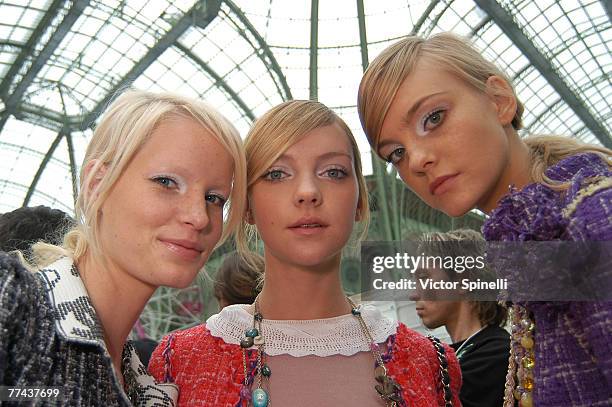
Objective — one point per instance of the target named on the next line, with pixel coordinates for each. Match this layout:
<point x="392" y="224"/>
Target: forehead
<point x="320" y="141"/>
<point x="429" y="76"/>
<point x="185" y="142"/>
<point x="426" y="79"/>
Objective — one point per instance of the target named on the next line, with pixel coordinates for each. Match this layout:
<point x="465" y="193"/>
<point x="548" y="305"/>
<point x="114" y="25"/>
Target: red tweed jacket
<point x="209" y="372"/>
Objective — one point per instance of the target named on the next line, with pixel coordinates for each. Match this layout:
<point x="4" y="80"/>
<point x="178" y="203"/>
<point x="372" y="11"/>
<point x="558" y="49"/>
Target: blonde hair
<point x="124" y="128"/>
<point x="388" y="71"/>
<point x="545" y="151"/>
<point x="274" y="133"/>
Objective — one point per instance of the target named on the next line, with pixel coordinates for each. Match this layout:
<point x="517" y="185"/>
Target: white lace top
<point x="316" y="337"/>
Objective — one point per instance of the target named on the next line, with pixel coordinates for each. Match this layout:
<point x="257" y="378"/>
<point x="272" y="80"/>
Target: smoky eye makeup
<point x="431" y="119"/>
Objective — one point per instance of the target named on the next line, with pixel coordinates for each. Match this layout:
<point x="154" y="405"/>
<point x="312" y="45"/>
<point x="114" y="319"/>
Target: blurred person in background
<point x="476" y="328"/>
<point x="236" y="281"/>
<point x="21" y="228"/>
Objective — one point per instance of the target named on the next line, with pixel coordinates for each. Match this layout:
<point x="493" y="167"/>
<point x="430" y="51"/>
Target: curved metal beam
<point x="432" y="4"/>
<point x="28" y="48"/>
<point x="218" y="80"/>
<point x="314" y="49"/>
<point x="51" y="199"/>
<point x="516" y="35"/>
<point x="73" y="173"/>
<point x="41" y="168"/>
<point x="480" y="26"/>
<point x="608" y="6"/>
<point x="434" y="21"/>
<point x="263" y="46"/>
<point x="363" y="36"/>
<point x="25" y="110"/>
<point x="377" y="167"/>
<point x="56" y="38"/>
<point x="203" y="11"/>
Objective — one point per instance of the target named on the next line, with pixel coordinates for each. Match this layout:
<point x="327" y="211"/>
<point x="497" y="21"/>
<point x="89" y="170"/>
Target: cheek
<point x="217" y="223"/>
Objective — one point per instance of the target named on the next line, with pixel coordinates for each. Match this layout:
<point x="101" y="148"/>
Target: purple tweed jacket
<point x="573" y="339"/>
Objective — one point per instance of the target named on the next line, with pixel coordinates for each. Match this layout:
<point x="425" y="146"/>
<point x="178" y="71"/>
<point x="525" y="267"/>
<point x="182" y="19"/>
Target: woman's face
<point x="305" y="204"/>
<point x="447" y="140"/>
<point x="164" y="215"/>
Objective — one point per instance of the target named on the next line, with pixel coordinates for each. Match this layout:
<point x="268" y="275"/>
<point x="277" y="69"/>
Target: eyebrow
<point x="408" y="115"/>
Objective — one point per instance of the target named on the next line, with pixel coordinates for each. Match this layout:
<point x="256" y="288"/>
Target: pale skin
<point x="439" y="126"/>
<point x="316" y="178"/>
<point x="163" y="242"/>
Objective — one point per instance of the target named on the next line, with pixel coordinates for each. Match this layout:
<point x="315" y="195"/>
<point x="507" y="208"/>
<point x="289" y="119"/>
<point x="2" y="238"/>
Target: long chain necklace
<point x="387" y="388"/>
<point x="522" y="359"/>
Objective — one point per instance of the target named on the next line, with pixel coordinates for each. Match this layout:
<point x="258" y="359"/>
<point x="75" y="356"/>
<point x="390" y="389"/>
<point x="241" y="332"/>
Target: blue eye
<point x="433" y="119"/>
<point x="335" y="173"/>
<point x="215" y="199"/>
<point x="166" y="182"/>
<point x="275" y="175"/>
<point x="396" y="155"/>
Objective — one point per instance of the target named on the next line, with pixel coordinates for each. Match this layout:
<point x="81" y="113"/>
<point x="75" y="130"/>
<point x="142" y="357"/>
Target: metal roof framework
<point x="62" y="61"/>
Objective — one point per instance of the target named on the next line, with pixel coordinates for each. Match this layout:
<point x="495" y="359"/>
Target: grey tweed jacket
<point x="50" y="335"/>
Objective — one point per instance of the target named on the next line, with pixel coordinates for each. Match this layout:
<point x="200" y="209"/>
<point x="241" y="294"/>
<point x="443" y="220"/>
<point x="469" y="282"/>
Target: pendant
<point x="258" y="340"/>
<point x="388" y="389"/>
<point x="260" y="398"/>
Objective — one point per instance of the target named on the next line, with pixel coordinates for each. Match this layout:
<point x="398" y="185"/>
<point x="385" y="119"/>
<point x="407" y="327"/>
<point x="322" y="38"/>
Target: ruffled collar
<point x="340" y="335"/>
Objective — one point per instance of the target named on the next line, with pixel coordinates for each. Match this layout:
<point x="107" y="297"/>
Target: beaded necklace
<point x="522" y="359"/>
<point x="387" y="388"/>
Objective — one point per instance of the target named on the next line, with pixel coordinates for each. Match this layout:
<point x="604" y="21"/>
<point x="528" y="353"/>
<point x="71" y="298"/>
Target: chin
<point x="456" y="209"/>
<point x="312" y="258"/>
<point x="177" y="277"/>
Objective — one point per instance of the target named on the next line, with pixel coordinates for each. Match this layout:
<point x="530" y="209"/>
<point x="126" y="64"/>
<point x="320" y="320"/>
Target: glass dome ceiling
<point x="62" y="61"/>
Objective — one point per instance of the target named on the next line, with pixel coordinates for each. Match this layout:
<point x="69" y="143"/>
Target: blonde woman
<point x="157" y="174"/>
<point x="302" y="342"/>
<point x="447" y="119"/>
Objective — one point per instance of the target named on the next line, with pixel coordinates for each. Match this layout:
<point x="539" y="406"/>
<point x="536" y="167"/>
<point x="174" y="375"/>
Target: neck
<point x="465" y="325"/>
<point x="300" y="293"/>
<point x="118" y="300"/>
<point x="517" y="172"/>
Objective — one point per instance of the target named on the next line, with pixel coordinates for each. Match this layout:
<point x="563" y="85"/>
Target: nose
<point x="421" y="159"/>
<point x="414" y="295"/>
<point x="195" y="211"/>
<point x="307" y="192"/>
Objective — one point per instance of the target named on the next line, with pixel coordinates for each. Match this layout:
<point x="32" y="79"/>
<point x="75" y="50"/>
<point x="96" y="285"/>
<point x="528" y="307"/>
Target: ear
<point x="92" y="186"/>
<point x="502" y="96"/>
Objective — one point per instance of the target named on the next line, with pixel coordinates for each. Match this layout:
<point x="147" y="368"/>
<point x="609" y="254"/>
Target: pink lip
<point x="186" y="249"/>
<point x="308" y="226"/>
<point x="439" y="184"/>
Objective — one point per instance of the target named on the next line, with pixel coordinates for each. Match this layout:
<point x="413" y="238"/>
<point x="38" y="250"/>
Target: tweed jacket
<point x="50" y="336"/>
<point x="573" y="340"/>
